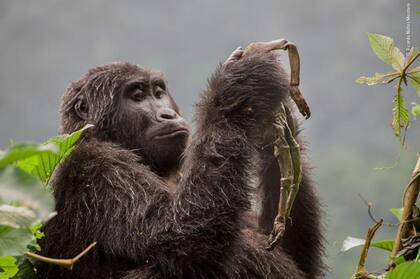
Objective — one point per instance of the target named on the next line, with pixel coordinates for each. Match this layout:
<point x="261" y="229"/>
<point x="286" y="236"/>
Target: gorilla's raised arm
<point x="214" y="189"/>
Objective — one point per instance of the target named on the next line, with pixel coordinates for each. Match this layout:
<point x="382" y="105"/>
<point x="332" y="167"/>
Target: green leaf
<point x="26" y="269"/>
<point x="25" y="150"/>
<point x="397" y="59"/>
<point x="378" y="78"/>
<point x="400" y="114"/>
<point x="36" y="230"/>
<point x="415" y="111"/>
<point x="383" y="47"/>
<point x="43" y="165"/>
<point x="21" y="189"/>
<point x="8" y="267"/>
<point x="414" y="79"/>
<point x="398" y="260"/>
<point x="16" y="217"/>
<point x="383" y="244"/>
<point x="14" y="242"/>
<point x="397" y="212"/>
<point x="407" y="270"/>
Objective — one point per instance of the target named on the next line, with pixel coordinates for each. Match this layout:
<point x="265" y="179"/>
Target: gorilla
<point x="163" y="204"/>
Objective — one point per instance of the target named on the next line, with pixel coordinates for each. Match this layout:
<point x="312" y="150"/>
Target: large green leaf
<point x="14" y="242"/>
<point x="400" y="116"/>
<point x="43" y="165"/>
<point x="383" y="47"/>
<point x="407" y="270"/>
<point x="8" y="267"/>
<point x="16" y="217"/>
<point x="24" y="150"/>
<point x="21" y="188"/>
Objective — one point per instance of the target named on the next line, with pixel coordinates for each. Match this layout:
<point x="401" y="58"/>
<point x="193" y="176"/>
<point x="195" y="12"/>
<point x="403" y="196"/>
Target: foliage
<point x="403" y="73"/>
<point x="25" y="199"/>
<point x="405" y="271"/>
<point x="9" y="267"/>
<point x="385" y="49"/>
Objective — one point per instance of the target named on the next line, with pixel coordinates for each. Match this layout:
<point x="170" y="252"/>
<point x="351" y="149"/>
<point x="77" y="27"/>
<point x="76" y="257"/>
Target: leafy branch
<point x="405" y="251"/>
<point x="25" y="202"/>
<point x="385" y="49"/>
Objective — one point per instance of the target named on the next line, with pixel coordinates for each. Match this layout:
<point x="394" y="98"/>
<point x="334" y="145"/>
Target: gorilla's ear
<point x="81" y="108"/>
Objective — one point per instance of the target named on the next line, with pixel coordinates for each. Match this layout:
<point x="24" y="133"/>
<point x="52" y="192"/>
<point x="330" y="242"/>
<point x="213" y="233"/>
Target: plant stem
<point x="410" y="198"/>
<point x="361" y="272"/>
<point x="411" y="61"/>
<point x="66" y="263"/>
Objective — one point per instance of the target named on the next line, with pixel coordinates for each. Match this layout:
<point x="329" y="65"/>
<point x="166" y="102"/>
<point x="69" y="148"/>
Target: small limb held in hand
<point x="296" y="161"/>
<point x="66" y="263"/>
<point x="287" y="152"/>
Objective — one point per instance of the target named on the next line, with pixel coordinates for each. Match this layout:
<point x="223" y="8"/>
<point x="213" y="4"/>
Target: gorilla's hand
<point x="245" y="91"/>
<point x="234" y="56"/>
<point x="294" y="60"/>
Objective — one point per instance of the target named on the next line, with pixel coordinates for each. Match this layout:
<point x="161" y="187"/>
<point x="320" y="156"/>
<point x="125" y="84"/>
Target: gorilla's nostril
<point x="166" y="114"/>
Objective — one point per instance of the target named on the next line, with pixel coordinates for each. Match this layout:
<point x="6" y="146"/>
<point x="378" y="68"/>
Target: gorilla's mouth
<point x="172" y="133"/>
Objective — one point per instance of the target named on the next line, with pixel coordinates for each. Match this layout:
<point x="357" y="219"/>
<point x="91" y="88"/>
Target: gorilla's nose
<point x="165" y="114"/>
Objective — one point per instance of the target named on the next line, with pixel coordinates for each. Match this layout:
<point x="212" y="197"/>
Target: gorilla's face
<point x="132" y="107"/>
<point x="151" y="121"/>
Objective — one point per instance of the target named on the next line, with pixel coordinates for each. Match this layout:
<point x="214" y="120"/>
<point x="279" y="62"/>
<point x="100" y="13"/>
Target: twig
<point x="361" y="272"/>
<point x="373" y="218"/>
<point x="410" y="198"/>
<point x="66" y="263"/>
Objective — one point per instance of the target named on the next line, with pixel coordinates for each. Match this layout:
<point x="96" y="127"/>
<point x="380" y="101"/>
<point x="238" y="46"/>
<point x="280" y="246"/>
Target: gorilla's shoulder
<point x="100" y="153"/>
<point x="92" y="159"/>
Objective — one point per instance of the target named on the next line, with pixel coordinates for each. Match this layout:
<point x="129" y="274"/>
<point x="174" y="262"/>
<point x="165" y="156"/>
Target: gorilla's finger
<point x="235" y="55"/>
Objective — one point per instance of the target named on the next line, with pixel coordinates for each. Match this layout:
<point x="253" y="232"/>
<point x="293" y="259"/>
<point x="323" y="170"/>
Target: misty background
<point x="45" y="45"/>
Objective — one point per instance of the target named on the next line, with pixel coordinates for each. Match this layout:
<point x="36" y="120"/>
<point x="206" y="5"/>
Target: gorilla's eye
<point x="159" y="91"/>
<point x="137" y="95"/>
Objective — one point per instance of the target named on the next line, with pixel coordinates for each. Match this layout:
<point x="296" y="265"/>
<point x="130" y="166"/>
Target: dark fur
<point x="108" y="193"/>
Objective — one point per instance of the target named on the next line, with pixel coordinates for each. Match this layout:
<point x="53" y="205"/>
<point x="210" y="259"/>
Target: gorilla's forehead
<point x="125" y="70"/>
<point x="138" y="72"/>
